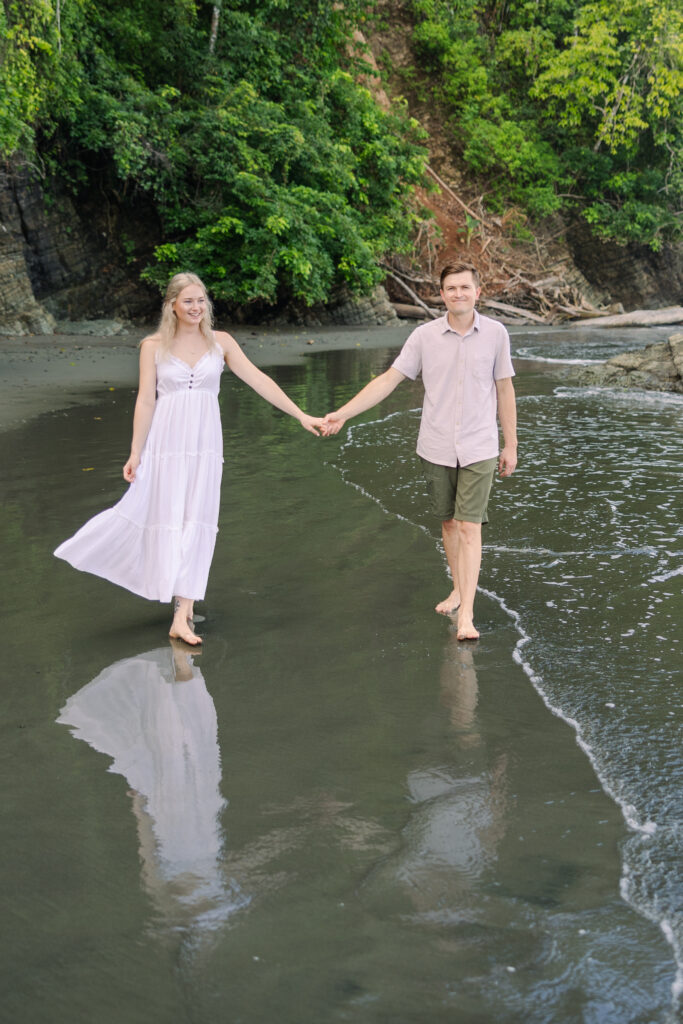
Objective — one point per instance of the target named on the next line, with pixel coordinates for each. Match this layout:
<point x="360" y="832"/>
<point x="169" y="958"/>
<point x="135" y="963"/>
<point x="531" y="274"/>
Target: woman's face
<point x="189" y="305"/>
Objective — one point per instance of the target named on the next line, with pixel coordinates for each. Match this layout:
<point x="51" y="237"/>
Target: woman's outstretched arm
<point x="262" y="384"/>
<point x="144" y="406"/>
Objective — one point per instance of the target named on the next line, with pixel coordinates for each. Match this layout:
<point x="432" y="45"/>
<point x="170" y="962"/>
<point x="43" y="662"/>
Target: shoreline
<point x="42" y="374"/>
<point x="48" y="373"/>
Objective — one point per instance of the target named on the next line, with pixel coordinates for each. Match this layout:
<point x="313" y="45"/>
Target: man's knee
<point x="467" y="531"/>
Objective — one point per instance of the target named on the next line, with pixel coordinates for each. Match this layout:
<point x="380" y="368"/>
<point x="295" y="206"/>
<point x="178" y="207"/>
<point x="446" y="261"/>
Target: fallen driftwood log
<point x="639" y="318"/>
<point x="577" y="313"/>
<point x="416" y="298"/>
<point x="503" y="307"/>
<point x="409" y="312"/>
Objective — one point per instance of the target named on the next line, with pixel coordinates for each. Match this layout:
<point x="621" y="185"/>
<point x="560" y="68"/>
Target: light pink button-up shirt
<point x="459" y="373"/>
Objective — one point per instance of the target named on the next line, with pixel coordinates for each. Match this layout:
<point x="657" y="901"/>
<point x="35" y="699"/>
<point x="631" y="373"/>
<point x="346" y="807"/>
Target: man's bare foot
<point x="450" y="605"/>
<point x="466" y="630"/>
<point x="180" y="630"/>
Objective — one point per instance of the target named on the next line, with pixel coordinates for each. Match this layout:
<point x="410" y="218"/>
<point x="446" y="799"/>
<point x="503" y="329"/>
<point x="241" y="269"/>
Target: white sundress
<point x="158" y="541"/>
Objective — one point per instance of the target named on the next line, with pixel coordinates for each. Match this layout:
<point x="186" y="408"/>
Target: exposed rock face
<point x="347" y="309"/>
<point x="63" y="258"/>
<point x="19" y="311"/>
<point x="632" y="274"/>
<point x="659" y="367"/>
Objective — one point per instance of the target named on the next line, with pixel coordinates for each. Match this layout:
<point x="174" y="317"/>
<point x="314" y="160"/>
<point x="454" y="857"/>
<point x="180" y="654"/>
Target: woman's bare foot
<point x="450" y="605"/>
<point x="180" y="630"/>
<point x="466" y="630"/>
<point x="182" y="627"/>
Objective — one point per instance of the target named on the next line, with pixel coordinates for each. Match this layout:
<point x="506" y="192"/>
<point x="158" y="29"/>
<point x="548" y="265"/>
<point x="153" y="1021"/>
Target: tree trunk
<point x="214" y="26"/>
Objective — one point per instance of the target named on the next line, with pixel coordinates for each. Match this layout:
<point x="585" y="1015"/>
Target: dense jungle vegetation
<point x="275" y="174"/>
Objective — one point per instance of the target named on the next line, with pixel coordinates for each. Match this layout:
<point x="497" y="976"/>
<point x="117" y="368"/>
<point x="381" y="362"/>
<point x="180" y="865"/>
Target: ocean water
<point x="580" y="345"/>
<point x="585" y="554"/>
<point x="336" y="812"/>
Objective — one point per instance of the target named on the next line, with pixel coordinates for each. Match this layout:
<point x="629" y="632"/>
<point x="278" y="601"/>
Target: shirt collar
<point x="447" y="327"/>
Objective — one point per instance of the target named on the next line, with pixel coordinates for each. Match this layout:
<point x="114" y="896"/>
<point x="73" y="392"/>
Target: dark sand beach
<point x="336" y="812"/>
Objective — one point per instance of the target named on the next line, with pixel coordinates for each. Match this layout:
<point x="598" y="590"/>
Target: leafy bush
<point x="559" y="103"/>
<point x="274" y="173"/>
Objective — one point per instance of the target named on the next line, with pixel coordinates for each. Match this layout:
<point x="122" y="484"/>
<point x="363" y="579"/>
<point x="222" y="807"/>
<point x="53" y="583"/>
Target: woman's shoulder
<point x="225" y="341"/>
<point x="223" y="338"/>
<point x="151" y="342"/>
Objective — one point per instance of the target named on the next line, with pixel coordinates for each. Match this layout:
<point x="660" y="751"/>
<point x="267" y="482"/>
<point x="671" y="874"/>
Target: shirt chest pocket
<point x="482" y="369"/>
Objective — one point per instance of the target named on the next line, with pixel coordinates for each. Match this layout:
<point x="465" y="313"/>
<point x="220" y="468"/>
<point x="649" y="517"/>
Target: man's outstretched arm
<point x="507" y="414"/>
<point x="370" y="395"/>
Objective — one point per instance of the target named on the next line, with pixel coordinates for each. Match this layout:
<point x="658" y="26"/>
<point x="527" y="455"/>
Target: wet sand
<point x="41" y="374"/>
<point x="401" y="829"/>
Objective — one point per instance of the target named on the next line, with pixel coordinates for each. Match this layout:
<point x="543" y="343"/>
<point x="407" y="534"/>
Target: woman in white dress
<point x="158" y="541"/>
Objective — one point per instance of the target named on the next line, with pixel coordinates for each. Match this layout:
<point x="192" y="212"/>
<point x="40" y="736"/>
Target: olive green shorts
<point x="460" y="492"/>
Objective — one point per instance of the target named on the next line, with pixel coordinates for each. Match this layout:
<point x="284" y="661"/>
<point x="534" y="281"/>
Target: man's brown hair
<point x="459" y="267"/>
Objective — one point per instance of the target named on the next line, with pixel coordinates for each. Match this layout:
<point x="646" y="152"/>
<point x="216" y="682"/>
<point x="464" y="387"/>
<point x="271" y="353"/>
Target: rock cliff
<point x="68" y="258"/>
<point x="633" y="275"/>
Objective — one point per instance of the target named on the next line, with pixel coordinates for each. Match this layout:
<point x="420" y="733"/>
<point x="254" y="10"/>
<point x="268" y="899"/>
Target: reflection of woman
<point x="158" y="541"/>
<point x="154" y="717"/>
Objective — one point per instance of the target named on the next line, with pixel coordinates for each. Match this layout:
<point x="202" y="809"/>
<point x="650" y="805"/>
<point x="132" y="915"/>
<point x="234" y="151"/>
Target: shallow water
<point x="336" y="811"/>
<point x="581" y="344"/>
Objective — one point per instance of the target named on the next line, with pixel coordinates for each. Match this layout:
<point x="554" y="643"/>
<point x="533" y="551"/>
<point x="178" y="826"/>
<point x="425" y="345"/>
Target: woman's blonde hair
<point x="168" y="324"/>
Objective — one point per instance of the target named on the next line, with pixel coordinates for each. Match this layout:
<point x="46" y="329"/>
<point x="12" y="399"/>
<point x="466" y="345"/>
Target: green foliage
<point x="621" y="74"/>
<point x="475" y="76"/>
<point x="39" y="73"/>
<point x="616" y="90"/>
<point x="289" y="204"/>
<point x="274" y="173"/>
<point x="559" y="101"/>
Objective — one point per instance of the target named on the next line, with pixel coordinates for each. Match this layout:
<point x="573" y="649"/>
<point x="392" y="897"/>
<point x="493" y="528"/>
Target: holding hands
<point x="314" y="424"/>
<point x="332" y="424"/>
<point x="325" y="426"/>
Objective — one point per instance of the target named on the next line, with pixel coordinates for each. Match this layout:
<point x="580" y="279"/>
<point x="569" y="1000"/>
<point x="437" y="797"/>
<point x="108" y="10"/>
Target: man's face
<point x="460" y="293"/>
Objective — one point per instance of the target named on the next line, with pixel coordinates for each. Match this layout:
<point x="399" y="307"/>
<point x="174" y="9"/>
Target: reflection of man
<point x="467" y="374"/>
<point x="460" y="691"/>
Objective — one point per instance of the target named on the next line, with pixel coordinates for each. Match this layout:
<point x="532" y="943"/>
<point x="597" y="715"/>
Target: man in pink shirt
<point x="467" y="374"/>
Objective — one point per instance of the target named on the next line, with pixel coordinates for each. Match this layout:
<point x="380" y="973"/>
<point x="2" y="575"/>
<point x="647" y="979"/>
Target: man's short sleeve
<point x="409" y="360"/>
<point x="503" y="367"/>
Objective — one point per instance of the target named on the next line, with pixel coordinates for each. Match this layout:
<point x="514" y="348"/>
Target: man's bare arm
<point x="507" y="414"/>
<point x="370" y="395"/>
